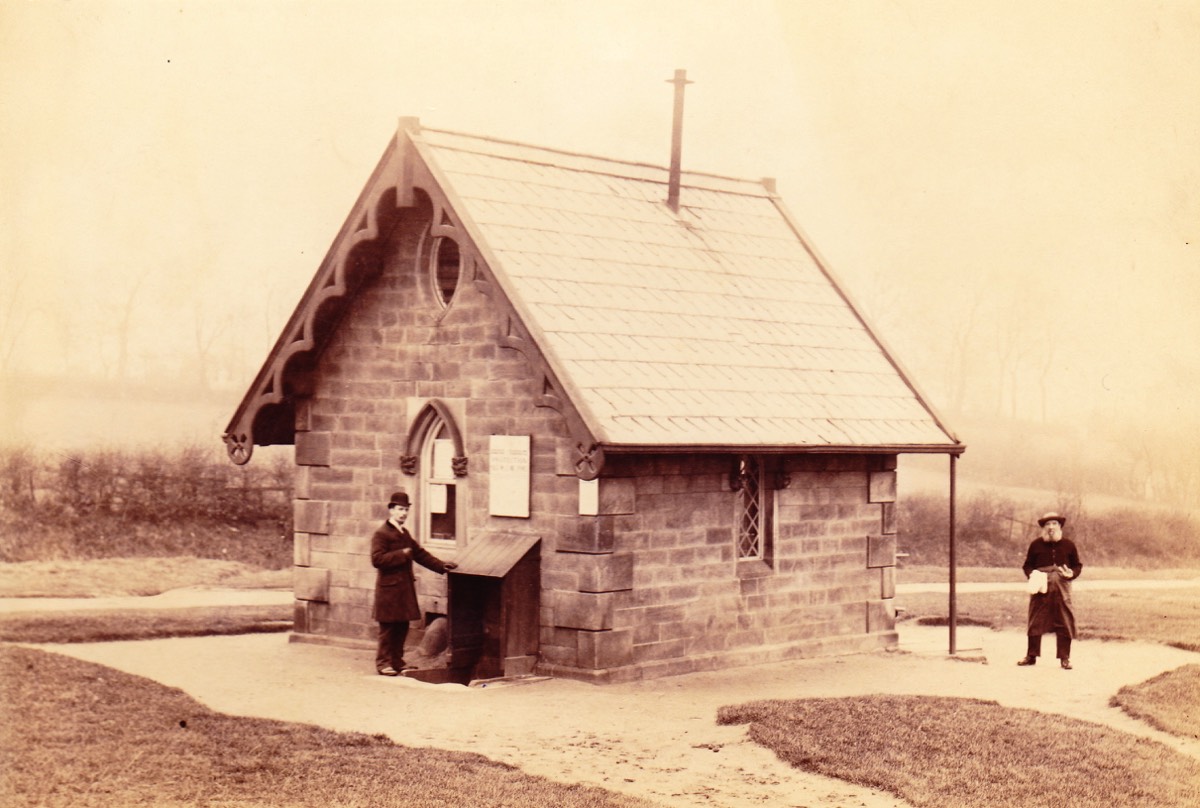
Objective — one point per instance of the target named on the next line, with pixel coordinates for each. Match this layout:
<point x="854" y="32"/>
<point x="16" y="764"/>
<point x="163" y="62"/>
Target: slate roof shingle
<point x="714" y="326"/>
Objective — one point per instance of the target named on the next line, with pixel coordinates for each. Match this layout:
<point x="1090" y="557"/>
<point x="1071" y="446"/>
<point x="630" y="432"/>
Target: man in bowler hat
<point x="393" y="551"/>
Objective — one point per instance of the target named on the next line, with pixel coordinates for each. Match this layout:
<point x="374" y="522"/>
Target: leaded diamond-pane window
<point x="750" y="509"/>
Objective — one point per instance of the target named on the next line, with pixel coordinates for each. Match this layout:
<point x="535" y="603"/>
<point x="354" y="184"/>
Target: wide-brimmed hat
<point x="399" y="498"/>
<point x="1053" y="515"/>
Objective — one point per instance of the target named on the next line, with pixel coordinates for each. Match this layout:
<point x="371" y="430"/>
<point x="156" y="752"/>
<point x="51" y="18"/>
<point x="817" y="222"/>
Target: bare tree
<point x="204" y="338"/>
<point x="14" y="319"/>
<point x="124" y="325"/>
<point x="962" y="358"/>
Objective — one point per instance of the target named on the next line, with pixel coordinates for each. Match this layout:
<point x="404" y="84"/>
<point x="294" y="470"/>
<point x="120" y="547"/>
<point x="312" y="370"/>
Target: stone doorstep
<point x="510" y="681"/>
<point x="462" y="676"/>
<point x="440" y="676"/>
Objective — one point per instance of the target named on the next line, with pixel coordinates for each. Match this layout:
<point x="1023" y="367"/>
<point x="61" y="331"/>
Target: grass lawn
<point x="78" y="734"/>
<point x="924" y="574"/>
<point x="131" y="576"/>
<point x="142" y="624"/>
<point x="1169" y="702"/>
<point x="1168" y="616"/>
<point x="112" y="739"/>
<point x="954" y="753"/>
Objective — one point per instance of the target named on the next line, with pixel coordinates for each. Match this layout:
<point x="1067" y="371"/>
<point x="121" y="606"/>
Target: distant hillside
<point x="1045" y="465"/>
<point x="57" y="413"/>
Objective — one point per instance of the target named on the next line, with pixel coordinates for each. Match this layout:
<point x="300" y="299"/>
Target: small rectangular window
<point x="754" y="514"/>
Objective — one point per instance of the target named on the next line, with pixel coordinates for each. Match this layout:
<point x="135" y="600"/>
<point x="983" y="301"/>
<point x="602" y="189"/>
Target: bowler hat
<point x="1053" y="515"/>
<point x="399" y="498"/>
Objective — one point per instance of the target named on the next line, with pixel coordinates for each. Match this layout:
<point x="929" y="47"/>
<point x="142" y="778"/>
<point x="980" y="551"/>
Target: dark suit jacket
<point x="392" y="553"/>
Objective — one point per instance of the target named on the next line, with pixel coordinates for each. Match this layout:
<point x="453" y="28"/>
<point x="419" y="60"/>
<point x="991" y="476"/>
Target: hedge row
<point x="124" y="504"/>
<point x="989" y="536"/>
<point x="147" y="487"/>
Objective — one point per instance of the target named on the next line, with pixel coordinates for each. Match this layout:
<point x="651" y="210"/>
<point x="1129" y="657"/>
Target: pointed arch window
<point x="435" y="456"/>
<point x="439" y="490"/>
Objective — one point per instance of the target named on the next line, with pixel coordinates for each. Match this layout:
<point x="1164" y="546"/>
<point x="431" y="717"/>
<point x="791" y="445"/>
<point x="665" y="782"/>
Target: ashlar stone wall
<point x="654" y="586"/>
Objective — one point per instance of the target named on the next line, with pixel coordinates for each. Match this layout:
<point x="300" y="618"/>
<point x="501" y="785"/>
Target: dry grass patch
<point x="78" y="734"/>
<point x="955" y="753"/>
<point x="1169" y="702"/>
<point x="142" y="624"/>
<point x="926" y="574"/>
<point x="104" y="577"/>
<point x="1168" y="616"/>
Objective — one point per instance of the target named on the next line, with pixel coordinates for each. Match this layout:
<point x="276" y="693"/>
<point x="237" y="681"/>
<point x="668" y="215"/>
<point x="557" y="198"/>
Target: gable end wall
<point x="394" y="351"/>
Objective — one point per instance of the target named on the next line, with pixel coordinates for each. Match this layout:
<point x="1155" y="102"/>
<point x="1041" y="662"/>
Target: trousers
<point x="1063" y="650"/>
<point x="391" y="645"/>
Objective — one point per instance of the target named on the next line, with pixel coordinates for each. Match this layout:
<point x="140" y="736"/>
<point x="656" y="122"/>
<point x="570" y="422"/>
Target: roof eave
<point x="268" y="393"/>
<point x="791" y="448"/>
<point x="831" y="276"/>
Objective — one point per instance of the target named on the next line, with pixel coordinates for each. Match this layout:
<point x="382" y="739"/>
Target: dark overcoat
<point x="1052" y="611"/>
<point x="393" y="552"/>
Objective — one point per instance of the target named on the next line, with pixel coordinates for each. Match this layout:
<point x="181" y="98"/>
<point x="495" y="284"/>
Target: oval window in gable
<point x="446" y="267"/>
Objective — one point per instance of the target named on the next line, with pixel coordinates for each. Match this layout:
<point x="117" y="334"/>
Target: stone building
<point x="631" y="402"/>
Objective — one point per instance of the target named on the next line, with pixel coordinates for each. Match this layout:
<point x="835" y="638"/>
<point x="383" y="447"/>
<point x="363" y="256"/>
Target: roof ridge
<point x="577" y="154"/>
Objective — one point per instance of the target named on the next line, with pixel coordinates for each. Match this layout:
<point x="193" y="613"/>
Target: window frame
<point x="765" y="504"/>
<point x="429" y="252"/>
<point x="438" y="429"/>
<point x="434" y="267"/>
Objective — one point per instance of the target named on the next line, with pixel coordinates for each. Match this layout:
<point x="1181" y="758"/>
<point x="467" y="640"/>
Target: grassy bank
<point x="1168" y="616"/>
<point x="142" y="624"/>
<point x="1169" y="702"/>
<point x="78" y="734"/>
<point x="111" y="739"/>
<point x="923" y="574"/>
<point x="953" y="753"/>
<point x="107" y="577"/>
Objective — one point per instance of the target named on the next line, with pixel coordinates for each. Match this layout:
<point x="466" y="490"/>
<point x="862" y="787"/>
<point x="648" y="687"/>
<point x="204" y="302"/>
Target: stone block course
<point x="887" y="583"/>
<point x="609" y="572"/>
<point x="880" y="616"/>
<point x="311" y="516"/>
<point x="313" y="448"/>
<point x="311" y="583"/>
<point x="598" y="650"/>
<point x="301" y="550"/>
<point x="592" y="611"/>
<point x="659" y="650"/>
<point x="590" y="534"/>
<point x="881" y="551"/>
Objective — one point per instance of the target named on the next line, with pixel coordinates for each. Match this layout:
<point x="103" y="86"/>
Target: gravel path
<point x="656" y="739"/>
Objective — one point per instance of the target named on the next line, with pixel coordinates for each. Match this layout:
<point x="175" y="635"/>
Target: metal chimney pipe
<point x="680" y="81"/>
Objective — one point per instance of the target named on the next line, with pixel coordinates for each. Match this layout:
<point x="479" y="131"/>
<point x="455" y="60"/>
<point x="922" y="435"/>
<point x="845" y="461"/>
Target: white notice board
<point x="508" y="475"/>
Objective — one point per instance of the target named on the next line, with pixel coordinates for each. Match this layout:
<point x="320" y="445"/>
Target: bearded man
<point x="1051" y="563"/>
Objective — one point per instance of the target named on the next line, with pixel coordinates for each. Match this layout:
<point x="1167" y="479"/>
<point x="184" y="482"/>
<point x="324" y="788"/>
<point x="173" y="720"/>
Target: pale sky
<point x="1036" y="163"/>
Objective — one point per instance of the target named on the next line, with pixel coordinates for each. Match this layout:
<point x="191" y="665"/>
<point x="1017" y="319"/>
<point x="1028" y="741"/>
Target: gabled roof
<point x="717" y="326"/>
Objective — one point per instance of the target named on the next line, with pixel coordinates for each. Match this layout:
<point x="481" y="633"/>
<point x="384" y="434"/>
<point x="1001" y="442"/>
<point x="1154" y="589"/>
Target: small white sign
<point x="589" y="497"/>
<point x="508" y="475"/>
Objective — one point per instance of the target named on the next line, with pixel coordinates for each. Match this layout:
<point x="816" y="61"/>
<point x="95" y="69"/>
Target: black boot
<point x="1029" y="660"/>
